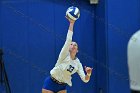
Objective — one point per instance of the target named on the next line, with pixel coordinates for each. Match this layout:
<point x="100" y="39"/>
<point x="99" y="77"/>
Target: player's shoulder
<point x="77" y="59"/>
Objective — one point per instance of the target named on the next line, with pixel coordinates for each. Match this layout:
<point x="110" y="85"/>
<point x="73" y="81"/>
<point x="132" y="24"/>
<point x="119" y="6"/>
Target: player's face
<point x="74" y="47"/>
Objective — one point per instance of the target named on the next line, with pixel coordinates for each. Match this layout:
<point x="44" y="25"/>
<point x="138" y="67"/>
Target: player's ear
<point x="77" y="51"/>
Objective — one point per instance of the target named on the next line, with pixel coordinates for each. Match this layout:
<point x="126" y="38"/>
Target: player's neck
<point x="73" y="57"/>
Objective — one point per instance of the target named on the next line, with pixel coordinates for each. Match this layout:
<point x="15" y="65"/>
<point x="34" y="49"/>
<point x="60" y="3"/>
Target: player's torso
<point x="68" y="66"/>
<point x="65" y="69"/>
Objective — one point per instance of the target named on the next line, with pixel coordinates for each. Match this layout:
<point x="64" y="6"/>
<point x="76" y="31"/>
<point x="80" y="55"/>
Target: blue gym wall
<point x="32" y="33"/>
<point x="123" y="18"/>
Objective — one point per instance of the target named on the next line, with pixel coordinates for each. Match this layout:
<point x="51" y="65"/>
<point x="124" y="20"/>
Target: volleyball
<point x="73" y="13"/>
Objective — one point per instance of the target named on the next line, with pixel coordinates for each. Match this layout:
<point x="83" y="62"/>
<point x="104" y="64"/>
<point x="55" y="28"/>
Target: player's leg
<point x="63" y="91"/>
<point x="48" y="86"/>
<point x="46" y="91"/>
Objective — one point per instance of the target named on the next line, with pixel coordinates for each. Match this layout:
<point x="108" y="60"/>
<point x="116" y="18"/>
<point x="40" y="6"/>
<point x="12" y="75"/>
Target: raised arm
<point x="65" y="50"/>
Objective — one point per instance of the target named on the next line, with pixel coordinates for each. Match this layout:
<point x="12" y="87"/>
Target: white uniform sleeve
<point x="65" y="50"/>
<point x="81" y="73"/>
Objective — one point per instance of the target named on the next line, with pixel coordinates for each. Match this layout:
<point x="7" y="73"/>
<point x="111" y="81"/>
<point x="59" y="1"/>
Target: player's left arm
<point x="89" y="72"/>
<point x="85" y="78"/>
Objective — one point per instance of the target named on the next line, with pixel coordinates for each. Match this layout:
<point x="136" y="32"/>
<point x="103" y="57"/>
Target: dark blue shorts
<point x="51" y="85"/>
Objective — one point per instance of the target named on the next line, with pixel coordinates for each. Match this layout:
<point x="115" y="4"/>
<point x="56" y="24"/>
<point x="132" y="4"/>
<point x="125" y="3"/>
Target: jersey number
<point x="71" y="68"/>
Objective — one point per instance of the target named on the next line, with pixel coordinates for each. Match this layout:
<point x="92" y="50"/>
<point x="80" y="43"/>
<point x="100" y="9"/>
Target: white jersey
<point x="65" y="66"/>
<point x="134" y="61"/>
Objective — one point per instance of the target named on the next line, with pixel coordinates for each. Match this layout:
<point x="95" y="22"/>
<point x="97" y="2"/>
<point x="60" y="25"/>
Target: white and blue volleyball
<point x="73" y="13"/>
